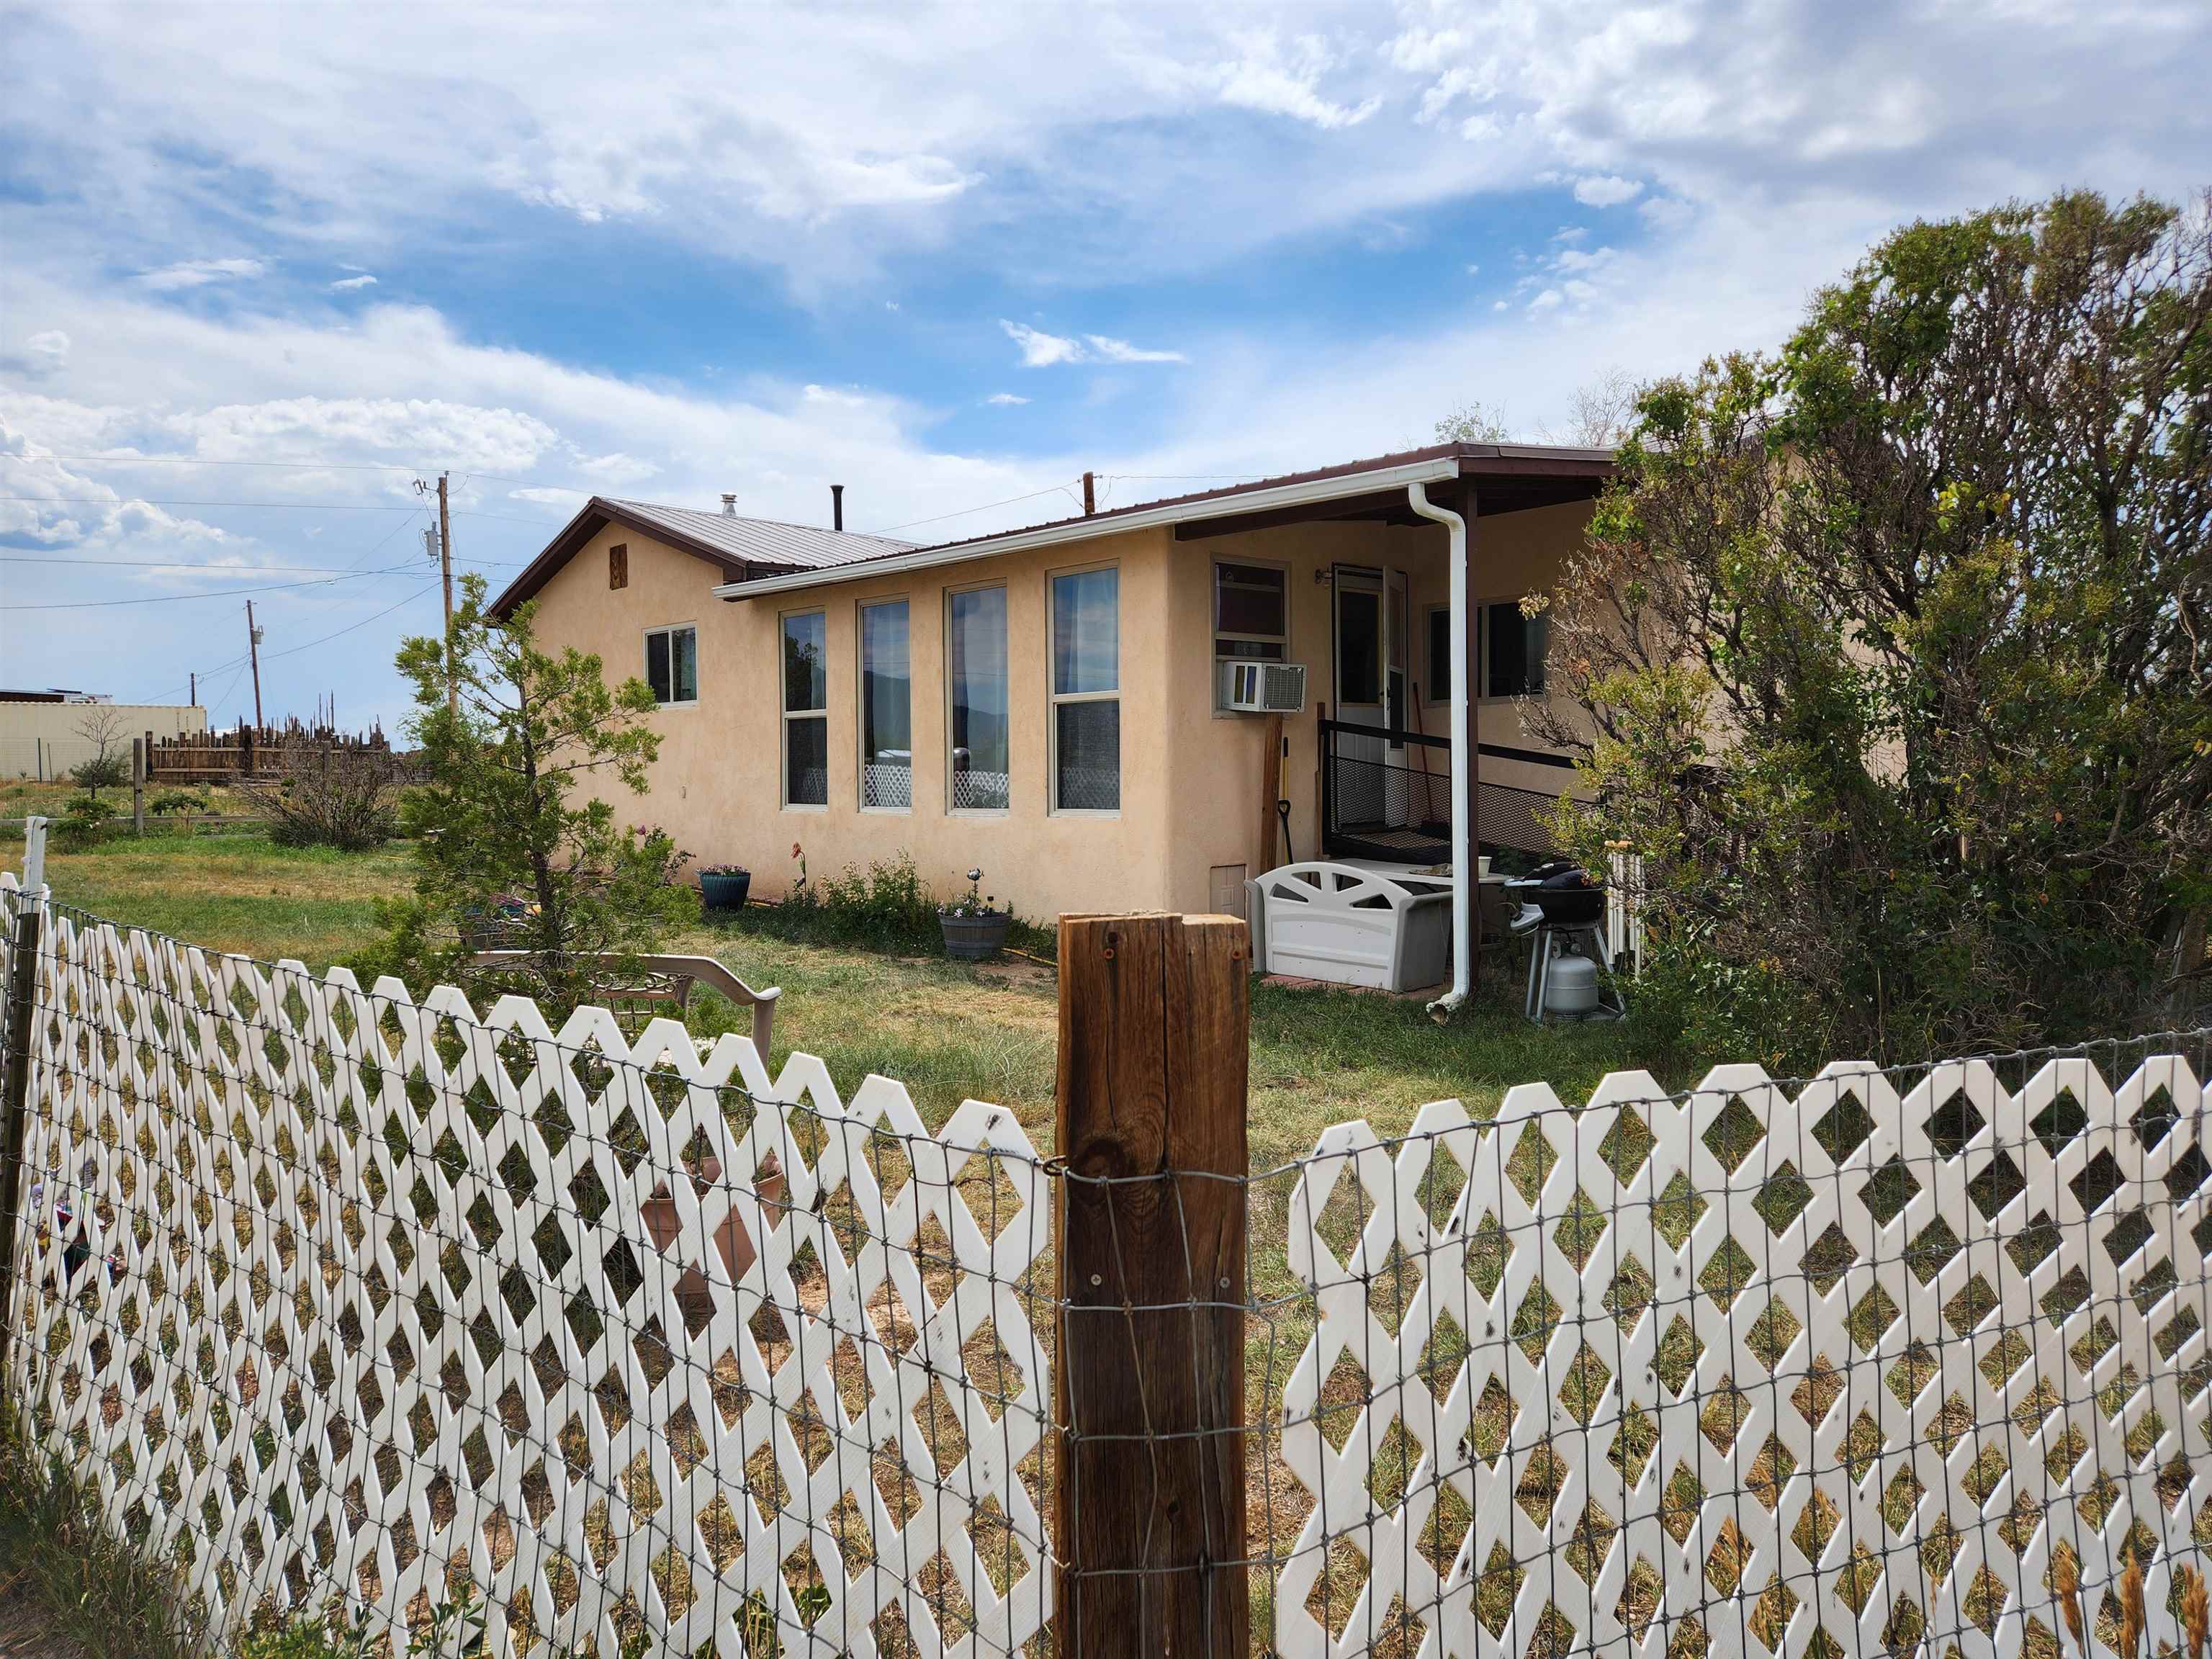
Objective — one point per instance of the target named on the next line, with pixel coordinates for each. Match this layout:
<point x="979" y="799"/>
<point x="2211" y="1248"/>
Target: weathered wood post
<point x="138" y="786"/>
<point x="15" y="1078"/>
<point x="1149" y="1492"/>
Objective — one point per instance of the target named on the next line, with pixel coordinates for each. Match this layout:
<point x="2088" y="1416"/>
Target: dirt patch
<point x="24" y="1635"/>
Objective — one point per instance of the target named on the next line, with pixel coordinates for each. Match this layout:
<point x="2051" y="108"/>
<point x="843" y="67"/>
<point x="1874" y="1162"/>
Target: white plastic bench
<point x="1346" y="926"/>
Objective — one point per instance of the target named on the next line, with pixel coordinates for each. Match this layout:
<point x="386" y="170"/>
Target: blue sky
<point x="262" y="266"/>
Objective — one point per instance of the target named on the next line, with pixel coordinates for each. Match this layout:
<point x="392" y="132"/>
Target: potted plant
<point x="724" y="886"/>
<point x="974" y="928"/>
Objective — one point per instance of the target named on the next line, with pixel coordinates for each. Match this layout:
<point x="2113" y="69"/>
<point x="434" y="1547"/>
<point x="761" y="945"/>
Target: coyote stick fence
<point x="1151" y="1471"/>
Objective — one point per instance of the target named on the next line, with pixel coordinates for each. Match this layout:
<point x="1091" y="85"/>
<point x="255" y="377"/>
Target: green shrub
<point x="85" y="820"/>
<point x="886" y="906"/>
<point x="110" y="769"/>
<point x="178" y="800"/>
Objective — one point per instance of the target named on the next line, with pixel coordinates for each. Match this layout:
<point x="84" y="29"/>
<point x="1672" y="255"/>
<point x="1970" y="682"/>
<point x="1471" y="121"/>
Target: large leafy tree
<point x="516" y="843"/>
<point x="1893" y="650"/>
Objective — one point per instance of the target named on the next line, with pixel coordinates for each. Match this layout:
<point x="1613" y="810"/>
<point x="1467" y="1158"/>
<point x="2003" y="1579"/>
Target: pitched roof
<point x="1505" y="478"/>
<point x="741" y="550"/>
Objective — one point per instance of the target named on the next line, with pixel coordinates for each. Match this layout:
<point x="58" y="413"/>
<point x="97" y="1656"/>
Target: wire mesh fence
<point x="348" y="1300"/>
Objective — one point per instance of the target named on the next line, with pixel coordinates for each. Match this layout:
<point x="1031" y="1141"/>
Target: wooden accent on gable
<point x="619" y="565"/>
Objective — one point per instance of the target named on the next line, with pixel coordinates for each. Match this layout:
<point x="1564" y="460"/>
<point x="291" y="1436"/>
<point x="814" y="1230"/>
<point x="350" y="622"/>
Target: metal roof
<point x="1506" y="477"/>
<point x="765" y="541"/>
<point x="739" y="548"/>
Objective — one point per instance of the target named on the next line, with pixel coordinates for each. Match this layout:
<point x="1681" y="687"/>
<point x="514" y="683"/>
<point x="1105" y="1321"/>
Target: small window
<point x="886" y="708"/>
<point x="619" y="565"/>
<point x="1436" y="686"/>
<point x="975" y="696"/>
<point x="1086" y="701"/>
<point x="805" y="710"/>
<point x="671" y="664"/>
<point x="1251" y="618"/>
<point x="1514" y="650"/>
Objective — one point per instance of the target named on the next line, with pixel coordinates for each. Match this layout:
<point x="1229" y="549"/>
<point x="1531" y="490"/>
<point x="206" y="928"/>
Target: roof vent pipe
<point x="729" y="504"/>
<point x="836" y="507"/>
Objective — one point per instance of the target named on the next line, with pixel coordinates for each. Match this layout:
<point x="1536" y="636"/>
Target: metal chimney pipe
<point x="729" y="504"/>
<point x="836" y="507"/>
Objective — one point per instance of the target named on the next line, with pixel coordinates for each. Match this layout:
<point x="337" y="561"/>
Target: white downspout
<point x="1464" y="868"/>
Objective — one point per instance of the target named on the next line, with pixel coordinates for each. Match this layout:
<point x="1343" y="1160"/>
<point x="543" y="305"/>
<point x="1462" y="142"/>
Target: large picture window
<point x="1513" y="650"/>
<point x="671" y="664"/>
<point x="805" y="710"/>
<point x="1086" y="685"/>
<point x="975" y="694"/>
<point x="886" y="708"/>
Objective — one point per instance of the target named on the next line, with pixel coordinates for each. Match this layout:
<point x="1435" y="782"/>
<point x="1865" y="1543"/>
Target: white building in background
<point x="49" y="733"/>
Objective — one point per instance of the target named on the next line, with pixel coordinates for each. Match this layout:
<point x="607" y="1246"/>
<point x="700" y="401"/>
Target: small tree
<point x="511" y="851"/>
<point x="1894" y="650"/>
<point x="109" y="765"/>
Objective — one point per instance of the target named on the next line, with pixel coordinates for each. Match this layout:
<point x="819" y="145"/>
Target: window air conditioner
<point x="1263" y="688"/>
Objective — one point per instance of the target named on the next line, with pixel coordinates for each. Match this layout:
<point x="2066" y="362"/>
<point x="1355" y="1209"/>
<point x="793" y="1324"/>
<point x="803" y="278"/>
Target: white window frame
<point x="860" y="610"/>
<point x="1219" y="634"/>
<point x="1429" y="613"/>
<point x="945" y="623"/>
<point x="1483" y="660"/>
<point x="783" y="726"/>
<point x="1054" y="698"/>
<point x="645" y="651"/>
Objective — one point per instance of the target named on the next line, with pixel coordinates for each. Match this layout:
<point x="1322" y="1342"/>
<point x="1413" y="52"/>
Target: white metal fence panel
<point x="332" y="1291"/>
<point x="1817" y="1373"/>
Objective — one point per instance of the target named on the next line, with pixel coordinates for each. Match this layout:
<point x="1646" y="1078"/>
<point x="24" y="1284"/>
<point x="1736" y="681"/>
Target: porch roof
<point x="1503" y="478"/>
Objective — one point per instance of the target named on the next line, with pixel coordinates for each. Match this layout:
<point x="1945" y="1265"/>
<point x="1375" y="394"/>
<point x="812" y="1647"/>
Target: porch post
<point x="1467" y="769"/>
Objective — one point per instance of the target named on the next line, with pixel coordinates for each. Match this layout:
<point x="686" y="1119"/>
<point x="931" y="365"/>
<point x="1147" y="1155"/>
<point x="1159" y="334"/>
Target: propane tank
<point x="1570" y="987"/>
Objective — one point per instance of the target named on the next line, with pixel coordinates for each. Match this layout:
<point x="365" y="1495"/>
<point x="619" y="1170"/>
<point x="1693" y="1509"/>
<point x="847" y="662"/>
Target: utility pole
<point x="446" y="569"/>
<point x="195" y="679"/>
<point x="254" y="654"/>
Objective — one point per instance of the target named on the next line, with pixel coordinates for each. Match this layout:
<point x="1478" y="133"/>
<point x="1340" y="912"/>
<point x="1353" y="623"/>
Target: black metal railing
<point x="1385" y="794"/>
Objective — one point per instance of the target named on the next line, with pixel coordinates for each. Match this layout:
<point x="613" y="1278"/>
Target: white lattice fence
<point x="1814" y="1374"/>
<point x="363" y="1296"/>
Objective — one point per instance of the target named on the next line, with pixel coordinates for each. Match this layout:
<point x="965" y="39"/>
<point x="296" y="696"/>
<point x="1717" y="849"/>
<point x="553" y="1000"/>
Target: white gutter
<point x="1410" y="475"/>
<point x="1465" y="886"/>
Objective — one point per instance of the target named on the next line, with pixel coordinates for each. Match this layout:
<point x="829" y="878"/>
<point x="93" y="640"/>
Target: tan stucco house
<point x="1049" y="703"/>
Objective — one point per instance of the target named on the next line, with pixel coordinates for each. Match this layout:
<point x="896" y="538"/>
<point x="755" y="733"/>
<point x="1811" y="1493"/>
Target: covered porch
<point x="1418" y="681"/>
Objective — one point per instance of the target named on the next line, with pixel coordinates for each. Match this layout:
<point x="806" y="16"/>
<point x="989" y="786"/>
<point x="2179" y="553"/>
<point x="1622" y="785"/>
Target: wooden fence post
<point x="138" y="786"/>
<point x="15" y="1079"/>
<point x="1148" y="1495"/>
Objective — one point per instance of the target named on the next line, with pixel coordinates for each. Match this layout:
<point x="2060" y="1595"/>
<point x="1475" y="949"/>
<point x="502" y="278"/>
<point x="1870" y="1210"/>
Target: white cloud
<point x="1043" y="350"/>
<point x="198" y="273"/>
<point x="344" y="284"/>
<point x="1606" y="190"/>
<point x="1006" y="400"/>
<point x="1106" y="349"/>
<point x="48" y="349"/>
<point x="550" y="496"/>
<point x="1268" y="79"/>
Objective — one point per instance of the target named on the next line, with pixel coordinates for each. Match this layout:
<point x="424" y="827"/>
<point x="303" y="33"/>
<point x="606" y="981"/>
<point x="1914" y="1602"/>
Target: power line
<point x="197" y="460"/>
<point x="351" y="627"/>
<point x="212" y="594"/>
<point x="217" y="569"/>
<point x="1052" y="490"/>
<point x="155" y="501"/>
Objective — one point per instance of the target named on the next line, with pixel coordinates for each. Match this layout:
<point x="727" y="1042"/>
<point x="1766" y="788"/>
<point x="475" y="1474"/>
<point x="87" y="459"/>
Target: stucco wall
<point x="717" y="787"/>
<point x="1190" y="778"/>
